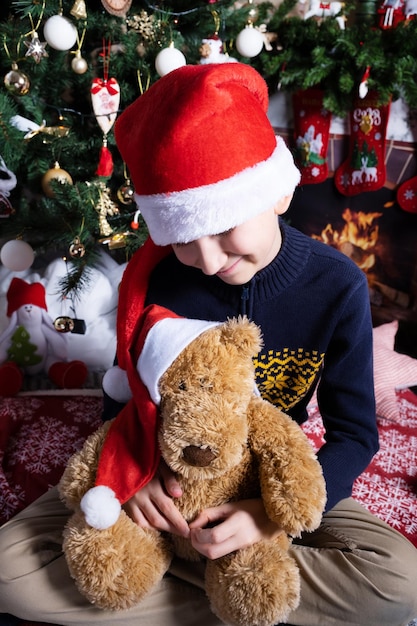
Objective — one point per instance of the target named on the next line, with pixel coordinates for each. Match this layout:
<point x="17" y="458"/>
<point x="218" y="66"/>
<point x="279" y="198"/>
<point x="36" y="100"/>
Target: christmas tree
<point x="71" y="66"/>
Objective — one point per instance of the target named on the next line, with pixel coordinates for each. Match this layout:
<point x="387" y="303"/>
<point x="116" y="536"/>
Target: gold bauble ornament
<point x="78" y="64"/>
<point x="64" y="324"/>
<point x="16" y="82"/>
<point x="55" y="173"/>
<point x="77" y="249"/>
<point x="126" y="193"/>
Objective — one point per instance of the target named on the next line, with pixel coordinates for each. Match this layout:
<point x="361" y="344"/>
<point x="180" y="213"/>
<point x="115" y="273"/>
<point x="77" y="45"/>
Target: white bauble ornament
<point x="169" y="59"/>
<point x="60" y="33"/>
<point x="249" y="42"/>
<point x="17" y="255"/>
<point x="78" y="64"/>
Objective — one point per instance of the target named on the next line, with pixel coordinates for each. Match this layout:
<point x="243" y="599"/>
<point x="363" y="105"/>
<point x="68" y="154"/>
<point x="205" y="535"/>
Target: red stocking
<point x="364" y="169"/>
<point x="407" y="195"/>
<point x="311" y="134"/>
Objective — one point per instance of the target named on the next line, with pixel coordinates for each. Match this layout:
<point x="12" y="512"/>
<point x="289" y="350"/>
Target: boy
<point x="211" y="180"/>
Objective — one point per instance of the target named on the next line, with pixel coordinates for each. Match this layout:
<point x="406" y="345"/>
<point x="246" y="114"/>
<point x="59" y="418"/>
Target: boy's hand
<point x="152" y="506"/>
<point x="220" y="530"/>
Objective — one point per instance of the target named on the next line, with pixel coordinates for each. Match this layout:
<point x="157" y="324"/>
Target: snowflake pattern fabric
<point x="38" y="435"/>
<point x="388" y="487"/>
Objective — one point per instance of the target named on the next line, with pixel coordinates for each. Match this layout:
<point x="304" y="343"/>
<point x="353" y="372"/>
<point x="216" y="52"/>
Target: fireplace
<point x="370" y="228"/>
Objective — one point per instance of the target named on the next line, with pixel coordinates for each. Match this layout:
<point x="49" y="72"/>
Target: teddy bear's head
<point x="204" y="400"/>
<point x="188" y="404"/>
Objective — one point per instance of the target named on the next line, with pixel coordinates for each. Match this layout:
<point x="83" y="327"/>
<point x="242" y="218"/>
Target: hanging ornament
<point x="249" y="41"/>
<point x="31" y="128"/>
<point x="36" y="48"/>
<point x="16" y="82"/>
<point x="115" y="241"/>
<point x="60" y="33"/>
<point x="105" y="207"/>
<point x="105" y="99"/>
<point x="363" y="86"/>
<point x="126" y="192"/>
<point x="117" y="7"/>
<point x="79" y="10"/>
<point x="76" y="248"/>
<point x="211" y="51"/>
<point x="407" y="195"/>
<point x="78" y="64"/>
<point x="169" y="59"/>
<point x="8" y="182"/>
<point x="323" y="9"/>
<point x="56" y="173"/>
<point x="17" y="255"/>
<point x="134" y="224"/>
<point x="64" y="324"/>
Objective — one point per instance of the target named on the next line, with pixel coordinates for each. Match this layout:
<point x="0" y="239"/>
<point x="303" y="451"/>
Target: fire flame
<point x="357" y="239"/>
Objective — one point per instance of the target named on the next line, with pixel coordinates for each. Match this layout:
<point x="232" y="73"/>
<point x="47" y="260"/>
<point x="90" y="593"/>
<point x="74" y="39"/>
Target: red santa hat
<point x="20" y="293"/>
<point x="130" y="452"/>
<point x="201" y="152"/>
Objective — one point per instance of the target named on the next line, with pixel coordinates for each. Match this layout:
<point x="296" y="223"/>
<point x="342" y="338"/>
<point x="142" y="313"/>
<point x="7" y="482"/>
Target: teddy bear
<point x="30" y="344"/>
<point x="201" y="413"/>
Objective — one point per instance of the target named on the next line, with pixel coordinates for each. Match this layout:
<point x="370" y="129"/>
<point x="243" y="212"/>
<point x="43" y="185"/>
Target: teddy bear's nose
<point x="199" y="457"/>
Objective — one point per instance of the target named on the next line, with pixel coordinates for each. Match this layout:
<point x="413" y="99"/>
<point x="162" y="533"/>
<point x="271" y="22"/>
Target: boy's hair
<point x="201" y="152"/>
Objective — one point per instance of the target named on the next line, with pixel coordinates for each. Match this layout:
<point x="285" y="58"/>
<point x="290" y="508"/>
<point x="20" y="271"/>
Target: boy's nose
<point x="210" y="257"/>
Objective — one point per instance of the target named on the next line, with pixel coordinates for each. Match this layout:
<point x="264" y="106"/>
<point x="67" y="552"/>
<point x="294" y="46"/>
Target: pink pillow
<point x="391" y="371"/>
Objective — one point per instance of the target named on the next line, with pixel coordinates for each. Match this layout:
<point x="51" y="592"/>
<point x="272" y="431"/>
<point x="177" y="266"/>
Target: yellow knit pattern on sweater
<point x="285" y="377"/>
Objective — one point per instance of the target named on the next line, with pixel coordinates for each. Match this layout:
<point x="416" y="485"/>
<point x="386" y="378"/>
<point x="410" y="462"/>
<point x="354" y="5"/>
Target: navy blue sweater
<point x="312" y="305"/>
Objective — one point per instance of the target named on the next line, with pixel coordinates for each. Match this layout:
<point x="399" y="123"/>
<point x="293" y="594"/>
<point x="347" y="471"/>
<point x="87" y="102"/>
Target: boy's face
<point x="236" y="255"/>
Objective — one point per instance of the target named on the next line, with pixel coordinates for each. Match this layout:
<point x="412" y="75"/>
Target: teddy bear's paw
<point x="11" y="379"/>
<point x="259" y="585"/>
<point x="70" y="375"/>
<point x="117" y="567"/>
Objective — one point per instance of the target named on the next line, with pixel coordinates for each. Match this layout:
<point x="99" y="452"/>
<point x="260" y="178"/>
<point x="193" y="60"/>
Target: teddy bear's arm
<point x="292" y="483"/>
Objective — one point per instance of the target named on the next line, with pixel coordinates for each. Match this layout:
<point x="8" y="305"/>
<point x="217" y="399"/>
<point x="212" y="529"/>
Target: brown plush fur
<point x="224" y="443"/>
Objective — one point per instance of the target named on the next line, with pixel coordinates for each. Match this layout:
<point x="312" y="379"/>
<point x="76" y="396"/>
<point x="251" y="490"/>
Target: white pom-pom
<point x="116" y="385"/>
<point x="100" y="507"/>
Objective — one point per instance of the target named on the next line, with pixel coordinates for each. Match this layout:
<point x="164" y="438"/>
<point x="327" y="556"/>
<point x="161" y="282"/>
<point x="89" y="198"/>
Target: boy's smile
<point x="238" y="254"/>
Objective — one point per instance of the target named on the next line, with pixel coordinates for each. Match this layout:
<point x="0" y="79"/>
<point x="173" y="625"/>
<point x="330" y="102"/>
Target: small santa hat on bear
<point x="201" y="152"/>
<point x="131" y="442"/>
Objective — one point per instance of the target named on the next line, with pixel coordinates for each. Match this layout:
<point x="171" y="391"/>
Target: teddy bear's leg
<point x="115" y="568"/>
<point x="11" y="379"/>
<point x="259" y="585"/>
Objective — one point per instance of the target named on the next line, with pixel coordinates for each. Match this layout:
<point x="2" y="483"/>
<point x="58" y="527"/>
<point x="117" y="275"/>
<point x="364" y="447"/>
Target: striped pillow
<point x="391" y="371"/>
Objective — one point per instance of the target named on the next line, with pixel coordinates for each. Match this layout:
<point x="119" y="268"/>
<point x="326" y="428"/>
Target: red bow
<point x="111" y="85"/>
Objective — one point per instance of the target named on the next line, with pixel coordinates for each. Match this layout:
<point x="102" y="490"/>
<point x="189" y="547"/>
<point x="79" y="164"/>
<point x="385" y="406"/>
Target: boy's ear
<point x="283" y="204"/>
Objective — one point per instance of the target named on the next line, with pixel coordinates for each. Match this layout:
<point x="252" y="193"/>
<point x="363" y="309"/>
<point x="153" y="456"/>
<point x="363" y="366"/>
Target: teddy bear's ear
<point x="244" y="334"/>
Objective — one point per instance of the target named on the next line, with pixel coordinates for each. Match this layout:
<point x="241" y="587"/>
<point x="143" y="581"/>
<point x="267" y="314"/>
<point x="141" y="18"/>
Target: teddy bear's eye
<point x="205" y="383"/>
<point x="182" y="385"/>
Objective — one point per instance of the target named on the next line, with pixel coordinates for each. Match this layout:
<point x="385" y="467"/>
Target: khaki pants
<point x="355" y="571"/>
